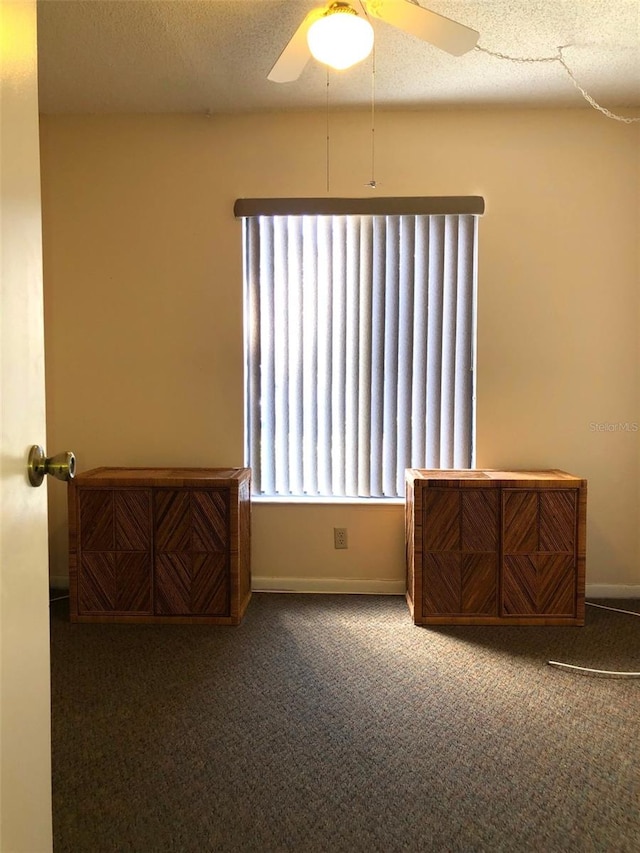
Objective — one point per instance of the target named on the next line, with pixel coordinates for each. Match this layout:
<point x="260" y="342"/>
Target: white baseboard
<point x="367" y="586"/>
<point x="605" y="590"/>
<point x="364" y="586"/>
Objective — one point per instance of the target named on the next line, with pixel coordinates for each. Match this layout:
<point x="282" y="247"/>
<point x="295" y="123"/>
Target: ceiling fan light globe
<point x="340" y="40"/>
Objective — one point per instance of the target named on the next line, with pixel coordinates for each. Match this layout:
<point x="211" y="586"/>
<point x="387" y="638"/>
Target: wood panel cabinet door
<point x="490" y="547"/>
<point x="115" y="565"/>
<point x="192" y="552"/>
<point x="460" y="552"/>
<point x="539" y="572"/>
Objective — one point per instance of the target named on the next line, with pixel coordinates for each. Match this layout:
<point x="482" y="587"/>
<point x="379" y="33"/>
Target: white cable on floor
<point x="616" y="609"/>
<point x="586" y="670"/>
<point x="600" y="673"/>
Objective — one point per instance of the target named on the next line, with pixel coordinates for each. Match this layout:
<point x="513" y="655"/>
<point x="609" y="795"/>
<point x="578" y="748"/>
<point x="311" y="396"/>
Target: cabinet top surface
<point x="491" y="477"/>
<point x="163" y="476"/>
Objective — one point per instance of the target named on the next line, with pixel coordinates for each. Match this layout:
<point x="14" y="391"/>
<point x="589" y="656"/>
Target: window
<point x="359" y="345"/>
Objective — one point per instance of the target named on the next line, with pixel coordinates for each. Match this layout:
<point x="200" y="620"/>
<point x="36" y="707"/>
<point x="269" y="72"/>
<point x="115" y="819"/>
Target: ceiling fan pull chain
<point x="327" y="142"/>
<point x="372" y="183"/>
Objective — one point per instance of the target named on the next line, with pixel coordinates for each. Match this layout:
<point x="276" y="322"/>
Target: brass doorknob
<point x="62" y="466"/>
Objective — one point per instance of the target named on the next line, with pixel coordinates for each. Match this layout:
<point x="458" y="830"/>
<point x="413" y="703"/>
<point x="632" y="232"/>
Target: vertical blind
<point x="360" y="350"/>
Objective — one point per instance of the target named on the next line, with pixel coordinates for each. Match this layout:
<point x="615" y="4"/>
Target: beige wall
<point x="143" y="298"/>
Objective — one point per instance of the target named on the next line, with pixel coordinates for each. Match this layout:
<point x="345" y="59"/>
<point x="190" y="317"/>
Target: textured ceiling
<point x="199" y="56"/>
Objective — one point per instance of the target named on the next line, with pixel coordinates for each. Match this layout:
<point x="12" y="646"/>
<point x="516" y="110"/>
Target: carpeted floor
<point x="332" y="723"/>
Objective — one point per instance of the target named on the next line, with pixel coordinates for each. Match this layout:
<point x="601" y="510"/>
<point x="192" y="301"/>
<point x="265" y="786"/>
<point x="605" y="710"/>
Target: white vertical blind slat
<point x="324" y="345"/>
<point x="463" y="392"/>
<point x="310" y="355"/>
<point x="252" y="342"/>
<point x="364" y="357"/>
<point x="390" y="370"/>
<point x="352" y="355"/>
<point x="435" y="284"/>
<point x="419" y="352"/>
<point x="280" y="345"/>
<point x="402" y="451"/>
<point x="376" y="437"/>
<point x="296" y="335"/>
<point x="267" y="375"/>
<point x="338" y="357"/>
<point x="449" y="314"/>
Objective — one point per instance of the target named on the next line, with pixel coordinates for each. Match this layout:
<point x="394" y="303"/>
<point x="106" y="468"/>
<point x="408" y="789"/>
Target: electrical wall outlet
<point x="340" y="537"/>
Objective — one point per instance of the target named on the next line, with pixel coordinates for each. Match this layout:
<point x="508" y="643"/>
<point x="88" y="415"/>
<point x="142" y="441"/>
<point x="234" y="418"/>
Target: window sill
<point x="318" y="499"/>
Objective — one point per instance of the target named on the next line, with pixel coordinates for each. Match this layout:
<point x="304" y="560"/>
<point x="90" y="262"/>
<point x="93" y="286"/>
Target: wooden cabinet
<point x="160" y="545"/>
<point x="495" y="547"/>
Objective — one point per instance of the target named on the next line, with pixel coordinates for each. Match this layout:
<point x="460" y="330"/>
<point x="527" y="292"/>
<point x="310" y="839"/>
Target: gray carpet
<point x="332" y="723"/>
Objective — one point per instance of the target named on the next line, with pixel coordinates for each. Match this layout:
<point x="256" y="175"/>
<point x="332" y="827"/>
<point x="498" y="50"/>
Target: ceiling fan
<point x="405" y="15"/>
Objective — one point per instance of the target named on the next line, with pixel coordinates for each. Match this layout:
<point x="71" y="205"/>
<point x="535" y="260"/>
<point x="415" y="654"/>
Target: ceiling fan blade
<point x="442" y="32"/>
<point x="291" y="62"/>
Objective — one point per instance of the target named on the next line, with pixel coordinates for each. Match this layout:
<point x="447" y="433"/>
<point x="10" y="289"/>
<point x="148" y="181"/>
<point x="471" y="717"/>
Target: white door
<point x="25" y="716"/>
